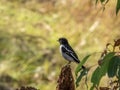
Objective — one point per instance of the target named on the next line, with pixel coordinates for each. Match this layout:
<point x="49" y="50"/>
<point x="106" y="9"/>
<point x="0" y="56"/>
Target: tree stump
<point x="66" y="80"/>
<point x="26" y="88"/>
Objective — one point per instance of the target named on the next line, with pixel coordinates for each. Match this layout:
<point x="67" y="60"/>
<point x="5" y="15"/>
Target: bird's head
<point x="63" y="40"/>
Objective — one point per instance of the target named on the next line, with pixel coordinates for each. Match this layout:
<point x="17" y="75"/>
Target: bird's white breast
<point x="67" y="57"/>
<point x="61" y="48"/>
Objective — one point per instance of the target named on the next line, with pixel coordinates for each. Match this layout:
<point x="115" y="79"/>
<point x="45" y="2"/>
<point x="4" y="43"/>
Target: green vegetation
<point x="104" y="2"/>
<point x="29" y="29"/>
<point x="108" y="64"/>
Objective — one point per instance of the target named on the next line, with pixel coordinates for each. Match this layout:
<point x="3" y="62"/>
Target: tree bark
<point x="66" y="80"/>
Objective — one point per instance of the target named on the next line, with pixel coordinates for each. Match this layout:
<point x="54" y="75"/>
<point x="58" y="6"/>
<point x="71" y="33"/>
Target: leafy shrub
<point x="108" y="64"/>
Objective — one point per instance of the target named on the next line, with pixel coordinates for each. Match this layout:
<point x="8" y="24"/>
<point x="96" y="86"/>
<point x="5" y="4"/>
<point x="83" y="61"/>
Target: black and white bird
<point x="67" y="52"/>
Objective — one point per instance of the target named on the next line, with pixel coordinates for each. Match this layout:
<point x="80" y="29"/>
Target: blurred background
<point x="29" y="30"/>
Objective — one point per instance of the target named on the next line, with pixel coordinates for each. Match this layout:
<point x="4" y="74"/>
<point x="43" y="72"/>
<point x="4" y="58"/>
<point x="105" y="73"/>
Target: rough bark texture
<point x="66" y="80"/>
<point x="26" y="88"/>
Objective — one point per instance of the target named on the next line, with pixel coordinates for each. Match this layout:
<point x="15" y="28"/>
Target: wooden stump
<point x="66" y="80"/>
<point x="26" y="88"/>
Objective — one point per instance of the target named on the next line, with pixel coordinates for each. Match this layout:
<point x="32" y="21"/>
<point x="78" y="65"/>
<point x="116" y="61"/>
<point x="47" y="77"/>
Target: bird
<point x="67" y="52"/>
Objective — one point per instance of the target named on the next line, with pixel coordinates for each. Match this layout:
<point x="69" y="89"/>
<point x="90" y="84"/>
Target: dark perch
<point x="66" y="80"/>
<point x="26" y="88"/>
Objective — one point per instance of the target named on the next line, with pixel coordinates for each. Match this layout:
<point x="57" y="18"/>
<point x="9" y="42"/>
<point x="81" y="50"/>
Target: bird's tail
<point x="77" y="61"/>
<point x="83" y="67"/>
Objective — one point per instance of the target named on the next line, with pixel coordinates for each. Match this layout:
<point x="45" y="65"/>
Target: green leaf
<point x="81" y="64"/>
<point x="106" y="61"/>
<point x="113" y="66"/>
<point x="96" y="2"/>
<point x="119" y="73"/>
<point x="102" y="1"/>
<point x="96" y="76"/>
<point x="92" y="88"/>
<point x="83" y="73"/>
<point x="101" y="70"/>
<point x="117" y="6"/>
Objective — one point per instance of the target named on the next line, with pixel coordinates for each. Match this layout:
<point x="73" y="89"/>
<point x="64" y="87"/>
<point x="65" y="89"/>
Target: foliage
<point x="104" y="2"/>
<point x="82" y="72"/>
<point x="109" y="64"/>
<point x="29" y="29"/>
<point x="117" y="6"/>
<point x="79" y="67"/>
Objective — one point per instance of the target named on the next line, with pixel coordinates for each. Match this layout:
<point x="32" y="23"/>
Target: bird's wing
<point x="72" y="51"/>
<point x="69" y="51"/>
